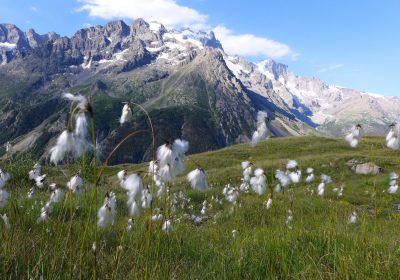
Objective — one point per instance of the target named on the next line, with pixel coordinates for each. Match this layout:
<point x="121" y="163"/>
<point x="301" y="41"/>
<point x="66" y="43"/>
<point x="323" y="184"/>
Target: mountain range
<point x="191" y="88"/>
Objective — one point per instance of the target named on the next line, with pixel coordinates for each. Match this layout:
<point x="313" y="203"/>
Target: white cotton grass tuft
<point x="147" y="198"/>
<point x="310" y="175"/>
<point x="283" y="179"/>
<point x="39" y="180"/>
<point x="354" y="137"/>
<point x="153" y="168"/>
<point x="171" y="157"/>
<point x="126" y="114"/>
<point x="3" y="198"/>
<point x="268" y="203"/>
<point x="31" y="193"/>
<point x="262" y="130"/>
<point x="65" y="144"/>
<point x="82" y="101"/>
<point x="6" y="221"/>
<point x="393" y="186"/>
<point x="82" y="144"/>
<point x="352" y="218"/>
<point x="134" y="185"/>
<point x="289" y="219"/>
<point x="133" y="207"/>
<point x="122" y="177"/>
<point x="43" y="215"/>
<point x="165" y="154"/>
<point x="259" y="182"/>
<point x="231" y="194"/>
<point x="107" y="212"/>
<point x="295" y="176"/>
<point x="392" y="138"/>
<point x="56" y="196"/>
<point x="4" y="177"/>
<point x="129" y="225"/>
<point x="291" y="164"/>
<point x="75" y="184"/>
<point x="325" y="179"/>
<point x="197" y="179"/>
<point x="35" y="172"/>
<point x="246" y="166"/>
<point x="9" y="148"/>
<point x="168" y="227"/>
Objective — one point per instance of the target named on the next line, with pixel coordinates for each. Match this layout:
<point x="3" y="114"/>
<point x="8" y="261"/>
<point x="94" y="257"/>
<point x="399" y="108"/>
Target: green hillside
<point x="319" y="243"/>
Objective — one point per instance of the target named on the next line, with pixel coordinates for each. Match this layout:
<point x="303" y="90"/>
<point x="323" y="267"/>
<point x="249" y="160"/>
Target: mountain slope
<point x="183" y="76"/>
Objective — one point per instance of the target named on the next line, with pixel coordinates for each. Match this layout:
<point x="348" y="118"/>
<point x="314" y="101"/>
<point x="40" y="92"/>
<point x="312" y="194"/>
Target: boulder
<point x="367" y="168"/>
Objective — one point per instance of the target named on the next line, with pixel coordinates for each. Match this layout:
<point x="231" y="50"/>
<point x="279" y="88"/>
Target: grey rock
<point x="367" y="168"/>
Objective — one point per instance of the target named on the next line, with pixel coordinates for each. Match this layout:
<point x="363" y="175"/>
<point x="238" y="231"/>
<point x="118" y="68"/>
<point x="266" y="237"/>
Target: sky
<point x="350" y="43"/>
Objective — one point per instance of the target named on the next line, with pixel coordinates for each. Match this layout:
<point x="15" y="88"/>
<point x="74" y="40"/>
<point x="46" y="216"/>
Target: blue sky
<point x="352" y="43"/>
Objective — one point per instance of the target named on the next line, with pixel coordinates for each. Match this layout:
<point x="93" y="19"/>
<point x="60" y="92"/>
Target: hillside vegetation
<point x="240" y="241"/>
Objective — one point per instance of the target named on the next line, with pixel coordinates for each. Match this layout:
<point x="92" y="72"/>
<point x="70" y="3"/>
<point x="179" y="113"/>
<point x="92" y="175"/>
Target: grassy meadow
<point x="319" y="244"/>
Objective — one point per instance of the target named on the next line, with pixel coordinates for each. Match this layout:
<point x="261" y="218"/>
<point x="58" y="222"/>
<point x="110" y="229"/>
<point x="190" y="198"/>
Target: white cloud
<point x="171" y="14"/>
<point x="33" y="9"/>
<point x="251" y="45"/>
<point x="167" y="12"/>
<point x="330" y="68"/>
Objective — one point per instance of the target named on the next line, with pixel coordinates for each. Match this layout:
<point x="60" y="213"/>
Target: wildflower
<point x="75" y="183"/>
<point x="353" y="218"/>
<point x="310" y="177"/>
<point x="259" y="182"/>
<point x="197" y="179"/>
<point x="167" y="227"/>
<point x="126" y="114"/>
<point x="94" y="247"/>
<point x="262" y="131"/>
<point x="107" y="211"/>
<point x="354" y="137"/>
